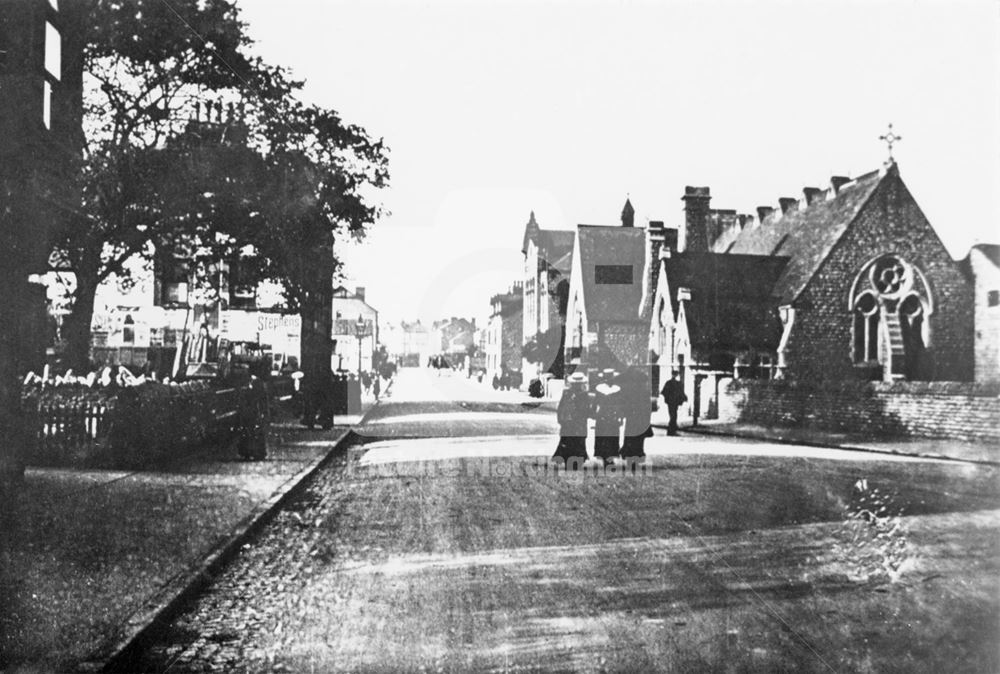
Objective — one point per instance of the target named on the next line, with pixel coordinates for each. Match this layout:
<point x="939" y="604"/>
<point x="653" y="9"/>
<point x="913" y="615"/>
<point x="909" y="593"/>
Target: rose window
<point x="890" y="275"/>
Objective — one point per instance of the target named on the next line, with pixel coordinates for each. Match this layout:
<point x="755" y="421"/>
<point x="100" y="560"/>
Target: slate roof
<point x="808" y="235"/>
<point x="555" y="244"/>
<point x="552" y="243"/>
<point x="618" y="245"/>
<point x="731" y="306"/>
<point x="565" y="263"/>
<point x="350" y="306"/>
<point x="990" y="251"/>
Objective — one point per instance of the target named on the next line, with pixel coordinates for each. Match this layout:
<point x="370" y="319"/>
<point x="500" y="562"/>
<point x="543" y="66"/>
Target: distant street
<point x="440" y="542"/>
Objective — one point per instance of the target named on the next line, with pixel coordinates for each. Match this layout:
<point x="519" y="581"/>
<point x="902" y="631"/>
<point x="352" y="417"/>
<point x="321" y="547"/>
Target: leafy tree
<point x="546" y="349"/>
<point x="296" y="182"/>
<point x="194" y="146"/>
<point x="145" y="65"/>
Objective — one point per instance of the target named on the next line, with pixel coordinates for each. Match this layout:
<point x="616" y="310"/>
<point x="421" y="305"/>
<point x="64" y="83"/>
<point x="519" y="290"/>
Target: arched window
<point x="866" y="320"/>
<point x="890" y="302"/>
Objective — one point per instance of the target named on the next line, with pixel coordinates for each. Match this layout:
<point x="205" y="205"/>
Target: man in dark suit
<point x="673" y="396"/>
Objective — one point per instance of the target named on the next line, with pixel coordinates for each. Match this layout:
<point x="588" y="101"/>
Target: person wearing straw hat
<point x="572" y="414"/>
<point x="607" y="417"/>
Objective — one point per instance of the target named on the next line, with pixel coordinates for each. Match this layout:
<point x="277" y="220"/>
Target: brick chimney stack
<point x="360" y="293"/>
<point x="696" y="212"/>
<point x="655" y="233"/>
<point x="670" y="242"/>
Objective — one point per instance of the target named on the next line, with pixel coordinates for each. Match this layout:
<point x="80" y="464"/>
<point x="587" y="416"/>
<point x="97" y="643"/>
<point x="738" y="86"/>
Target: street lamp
<point x="359" y="328"/>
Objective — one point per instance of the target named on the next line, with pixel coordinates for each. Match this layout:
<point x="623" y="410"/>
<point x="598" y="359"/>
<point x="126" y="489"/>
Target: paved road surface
<point x="441" y="543"/>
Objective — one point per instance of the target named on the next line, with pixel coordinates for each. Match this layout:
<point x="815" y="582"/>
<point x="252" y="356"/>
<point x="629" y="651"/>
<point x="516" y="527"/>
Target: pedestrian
<point x="607" y="417"/>
<point x="572" y="414"/>
<point x="637" y="408"/>
<point x="377" y="386"/>
<point x="674" y="397"/>
<point x="366" y="381"/>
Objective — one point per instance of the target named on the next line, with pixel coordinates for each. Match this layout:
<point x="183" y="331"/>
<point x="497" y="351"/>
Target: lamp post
<point x="359" y="328"/>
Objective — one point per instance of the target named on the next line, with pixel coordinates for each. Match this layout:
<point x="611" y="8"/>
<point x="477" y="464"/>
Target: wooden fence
<point x="132" y="426"/>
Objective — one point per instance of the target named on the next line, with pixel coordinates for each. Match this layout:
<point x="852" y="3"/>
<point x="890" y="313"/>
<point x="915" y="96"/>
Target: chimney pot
<point x="763" y="212"/>
<point x="787" y="204"/>
<point x="837" y="182"/>
<point x="697" y="193"/>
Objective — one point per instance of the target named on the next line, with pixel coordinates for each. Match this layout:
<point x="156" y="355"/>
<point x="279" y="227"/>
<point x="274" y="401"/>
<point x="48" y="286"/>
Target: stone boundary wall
<point x="950" y="410"/>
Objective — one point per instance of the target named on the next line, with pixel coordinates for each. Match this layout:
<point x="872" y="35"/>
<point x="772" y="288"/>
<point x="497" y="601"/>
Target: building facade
<point x="605" y="317"/>
<point x="548" y="255"/>
<point x="355" y="331"/>
<point x="983" y="269"/>
<point x="849" y="282"/>
<point x="504" y="336"/>
<point x="406" y="342"/>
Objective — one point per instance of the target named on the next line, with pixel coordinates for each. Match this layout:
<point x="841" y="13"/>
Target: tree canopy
<point x="194" y="145"/>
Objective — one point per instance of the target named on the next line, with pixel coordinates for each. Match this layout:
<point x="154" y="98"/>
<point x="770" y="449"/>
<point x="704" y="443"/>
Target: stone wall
<point x="949" y="410"/>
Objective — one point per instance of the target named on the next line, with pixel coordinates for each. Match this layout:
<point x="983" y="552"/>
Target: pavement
<point x="458" y="387"/>
<point x="959" y="450"/>
<point x="92" y="558"/>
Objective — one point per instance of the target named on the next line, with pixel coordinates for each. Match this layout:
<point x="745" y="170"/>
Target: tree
<point x="281" y="198"/>
<point x="194" y="146"/>
<point x="145" y="65"/>
<point x="546" y="349"/>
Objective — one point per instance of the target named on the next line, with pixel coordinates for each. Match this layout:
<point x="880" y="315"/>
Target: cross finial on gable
<point x="890" y="138"/>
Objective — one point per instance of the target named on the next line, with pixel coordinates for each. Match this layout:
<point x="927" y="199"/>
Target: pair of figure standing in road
<point x="617" y="399"/>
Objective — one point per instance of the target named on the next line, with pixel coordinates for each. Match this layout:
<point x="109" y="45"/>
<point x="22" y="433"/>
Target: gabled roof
<point x="808" y="235"/>
<point x="611" y="246"/>
<point x="555" y="243"/>
<point x="731" y="306"/>
<point x="552" y="243"/>
<point x="347" y="302"/>
<point x="565" y="263"/>
<point x="991" y="251"/>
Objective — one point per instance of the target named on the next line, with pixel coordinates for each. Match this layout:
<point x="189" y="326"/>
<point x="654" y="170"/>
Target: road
<point x="440" y="542"/>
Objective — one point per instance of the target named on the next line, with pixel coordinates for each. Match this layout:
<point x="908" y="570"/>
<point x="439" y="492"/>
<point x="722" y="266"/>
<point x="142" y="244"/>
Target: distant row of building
<point x="848" y="281"/>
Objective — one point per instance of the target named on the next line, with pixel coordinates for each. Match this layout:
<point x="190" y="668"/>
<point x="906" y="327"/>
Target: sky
<point x="493" y="110"/>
